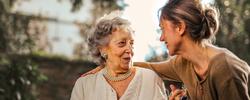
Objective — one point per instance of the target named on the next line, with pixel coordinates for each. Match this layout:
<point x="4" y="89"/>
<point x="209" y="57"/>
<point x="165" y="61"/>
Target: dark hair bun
<point x="201" y="19"/>
<point x="211" y="15"/>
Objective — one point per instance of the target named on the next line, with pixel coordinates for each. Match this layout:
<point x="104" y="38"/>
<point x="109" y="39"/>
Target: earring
<point x="104" y="55"/>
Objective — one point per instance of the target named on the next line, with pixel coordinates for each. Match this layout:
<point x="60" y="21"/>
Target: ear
<point x="102" y="49"/>
<point x="181" y="27"/>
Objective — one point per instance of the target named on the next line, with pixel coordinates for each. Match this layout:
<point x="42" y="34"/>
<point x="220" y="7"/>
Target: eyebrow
<point x="119" y="40"/>
<point x="160" y="25"/>
<point x="122" y="40"/>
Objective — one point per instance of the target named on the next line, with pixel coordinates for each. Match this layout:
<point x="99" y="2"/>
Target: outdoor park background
<point x="43" y="49"/>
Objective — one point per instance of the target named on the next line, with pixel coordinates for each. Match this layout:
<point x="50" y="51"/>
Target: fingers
<point x="97" y="69"/>
<point x="176" y="93"/>
<point x="85" y="74"/>
<point x="93" y="71"/>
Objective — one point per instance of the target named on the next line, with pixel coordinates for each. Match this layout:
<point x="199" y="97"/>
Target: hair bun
<point x="211" y="16"/>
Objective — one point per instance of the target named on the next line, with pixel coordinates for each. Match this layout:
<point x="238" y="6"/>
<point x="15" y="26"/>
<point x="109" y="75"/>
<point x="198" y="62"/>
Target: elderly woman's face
<point x="120" y="49"/>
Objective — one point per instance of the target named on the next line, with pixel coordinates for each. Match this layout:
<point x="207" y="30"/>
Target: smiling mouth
<point x="127" y="59"/>
<point x="166" y="43"/>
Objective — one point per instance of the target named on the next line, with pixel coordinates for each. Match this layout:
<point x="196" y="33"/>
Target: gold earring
<point x="104" y="55"/>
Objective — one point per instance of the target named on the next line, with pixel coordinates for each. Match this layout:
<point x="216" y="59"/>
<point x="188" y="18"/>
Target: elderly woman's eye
<point x="132" y="45"/>
<point x="121" y="43"/>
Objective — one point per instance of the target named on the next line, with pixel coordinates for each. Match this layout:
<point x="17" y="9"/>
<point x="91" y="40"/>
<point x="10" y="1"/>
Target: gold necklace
<point x="118" y="78"/>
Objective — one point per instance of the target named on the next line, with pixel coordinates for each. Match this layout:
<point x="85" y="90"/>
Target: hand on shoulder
<point x="93" y="71"/>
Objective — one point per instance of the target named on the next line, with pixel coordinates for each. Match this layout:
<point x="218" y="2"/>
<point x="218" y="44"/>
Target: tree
<point x="18" y="76"/>
<point x="234" y="32"/>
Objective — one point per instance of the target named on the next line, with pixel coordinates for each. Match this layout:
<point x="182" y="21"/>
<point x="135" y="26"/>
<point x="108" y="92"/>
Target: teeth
<point x="127" y="58"/>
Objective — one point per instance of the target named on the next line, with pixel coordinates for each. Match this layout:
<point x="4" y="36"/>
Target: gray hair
<point x="101" y="34"/>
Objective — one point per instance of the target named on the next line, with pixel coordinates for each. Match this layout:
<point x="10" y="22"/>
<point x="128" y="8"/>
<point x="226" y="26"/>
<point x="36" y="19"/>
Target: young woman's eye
<point x="131" y="43"/>
<point x="159" y="30"/>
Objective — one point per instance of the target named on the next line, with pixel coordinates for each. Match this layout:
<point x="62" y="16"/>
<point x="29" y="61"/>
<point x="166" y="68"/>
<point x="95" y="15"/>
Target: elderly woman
<point x="112" y="47"/>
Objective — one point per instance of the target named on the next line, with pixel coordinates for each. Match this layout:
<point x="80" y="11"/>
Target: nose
<point x="162" y="37"/>
<point x="129" y="49"/>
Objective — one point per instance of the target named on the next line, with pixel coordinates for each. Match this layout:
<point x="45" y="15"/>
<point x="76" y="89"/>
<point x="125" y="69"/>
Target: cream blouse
<point x="146" y="85"/>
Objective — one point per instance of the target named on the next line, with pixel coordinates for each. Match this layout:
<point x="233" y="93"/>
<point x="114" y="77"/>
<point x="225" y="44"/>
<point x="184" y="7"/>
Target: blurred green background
<point x="30" y="70"/>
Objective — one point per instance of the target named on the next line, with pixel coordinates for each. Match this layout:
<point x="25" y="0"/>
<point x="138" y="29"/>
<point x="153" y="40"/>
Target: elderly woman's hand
<point x="93" y="71"/>
<point x="177" y="94"/>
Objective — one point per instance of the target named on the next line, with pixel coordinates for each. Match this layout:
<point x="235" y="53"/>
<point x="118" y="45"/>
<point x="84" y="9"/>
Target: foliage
<point x="108" y="4"/>
<point x="13" y="34"/>
<point x="234" y="32"/>
<point x="18" y="76"/>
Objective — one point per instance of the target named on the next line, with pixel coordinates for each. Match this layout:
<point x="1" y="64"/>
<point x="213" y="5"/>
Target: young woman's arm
<point x="165" y="69"/>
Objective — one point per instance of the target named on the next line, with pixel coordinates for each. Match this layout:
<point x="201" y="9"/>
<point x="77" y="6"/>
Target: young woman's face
<point x="170" y="36"/>
<point x="120" y="49"/>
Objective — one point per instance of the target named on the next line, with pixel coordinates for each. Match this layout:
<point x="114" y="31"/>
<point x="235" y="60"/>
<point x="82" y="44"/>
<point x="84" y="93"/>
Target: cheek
<point x="176" y="43"/>
<point x="173" y="40"/>
<point x="171" y="35"/>
<point x="168" y="33"/>
<point x="116" y="52"/>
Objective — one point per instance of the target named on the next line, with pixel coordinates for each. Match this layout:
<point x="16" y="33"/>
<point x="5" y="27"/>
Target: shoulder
<point x="234" y="63"/>
<point x="84" y="87"/>
<point x="227" y="63"/>
<point x="238" y="67"/>
<point x="88" y="79"/>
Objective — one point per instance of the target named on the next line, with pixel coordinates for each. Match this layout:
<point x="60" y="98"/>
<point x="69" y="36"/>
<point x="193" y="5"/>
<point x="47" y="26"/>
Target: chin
<point x="171" y="53"/>
<point x="125" y="67"/>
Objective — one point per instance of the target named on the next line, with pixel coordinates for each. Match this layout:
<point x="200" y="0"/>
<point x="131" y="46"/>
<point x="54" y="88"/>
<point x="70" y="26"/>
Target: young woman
<point x="207" y="71"/>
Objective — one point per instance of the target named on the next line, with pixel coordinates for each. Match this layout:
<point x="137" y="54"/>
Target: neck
<point x="197" y="54"/>
<point x="115" y="70"/>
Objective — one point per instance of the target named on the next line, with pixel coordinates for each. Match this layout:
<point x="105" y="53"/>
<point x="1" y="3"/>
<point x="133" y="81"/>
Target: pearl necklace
<point x="118" y="78"/>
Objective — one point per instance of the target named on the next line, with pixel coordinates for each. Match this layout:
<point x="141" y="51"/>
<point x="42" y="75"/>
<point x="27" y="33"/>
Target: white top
<point x="146" y="85"/>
